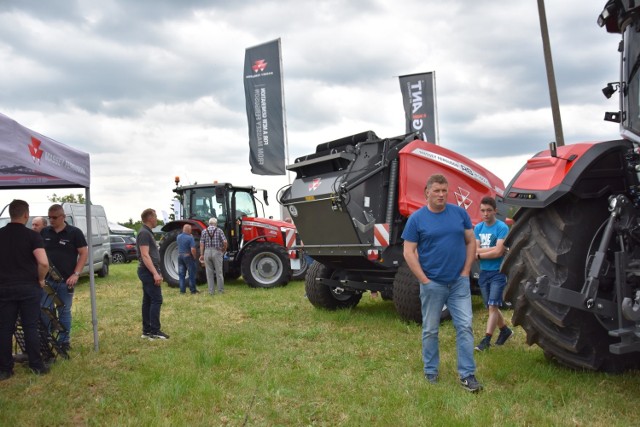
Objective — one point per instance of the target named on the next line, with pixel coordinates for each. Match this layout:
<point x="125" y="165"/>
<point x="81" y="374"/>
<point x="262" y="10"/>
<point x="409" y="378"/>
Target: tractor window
<point x="202" y="204"/>
<point x="245" y="205"/>
<point x="633" y="66"/>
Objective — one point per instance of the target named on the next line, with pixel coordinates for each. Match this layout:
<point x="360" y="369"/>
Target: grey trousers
<point x="213" y="267"/>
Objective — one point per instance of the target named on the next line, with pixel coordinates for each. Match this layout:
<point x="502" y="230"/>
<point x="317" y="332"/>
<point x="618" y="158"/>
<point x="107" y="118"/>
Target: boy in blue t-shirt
<point x="490" y="235"/>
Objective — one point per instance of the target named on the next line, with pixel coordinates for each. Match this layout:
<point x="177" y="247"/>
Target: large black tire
<point x="266" y="265"/>
<point x="301" y="273"/>
<point x="555" y="242"/>
<point x="233" y="272"/>
<point x="323" y="296"/>
<point x="169" y="259"/>
<point x="406" y="295"/>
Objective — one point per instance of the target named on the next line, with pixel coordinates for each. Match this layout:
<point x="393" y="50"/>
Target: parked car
<point x="123" y="249"/>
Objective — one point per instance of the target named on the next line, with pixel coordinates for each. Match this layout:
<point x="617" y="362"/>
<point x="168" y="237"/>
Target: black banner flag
<point x="419" y="99"/>
<point x="265" y="108"/>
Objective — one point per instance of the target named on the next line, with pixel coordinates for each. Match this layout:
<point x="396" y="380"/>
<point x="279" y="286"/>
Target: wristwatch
<point x="75" y="273"/>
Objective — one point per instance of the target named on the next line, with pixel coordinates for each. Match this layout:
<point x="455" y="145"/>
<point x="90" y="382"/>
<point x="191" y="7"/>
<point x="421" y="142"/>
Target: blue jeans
<point x="187" y="263"/>
<point x="457" y="296"/>
<point x="64" y="312"/>
<point x="492" y="284"/>
<point x="23" y="300"/>
<point x="151" y="302"/>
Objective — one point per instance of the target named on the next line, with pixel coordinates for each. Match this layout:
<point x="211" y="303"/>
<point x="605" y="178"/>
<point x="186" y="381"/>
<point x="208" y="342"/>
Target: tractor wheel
<point x="118" y="257"/>
<point x="556" y="242"/>
<point x="301" y="273"/>
<point x="323" y="296"/>
<point x="406" y="295"/>
<point x="169" y="259"/>
<point x="266" y="265"/>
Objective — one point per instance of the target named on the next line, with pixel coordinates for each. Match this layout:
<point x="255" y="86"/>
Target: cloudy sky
<point x="154" y="88"/>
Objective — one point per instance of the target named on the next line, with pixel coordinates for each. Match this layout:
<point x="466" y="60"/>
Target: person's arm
<point x="83" y="254"/>
<point x="43" y="264"/>
<point x="194" y="253"/>
<point x="202" y="249"/>
<point x="493" y="252"/>
<point x="470" y="243"/>
<point x="146" y="260"/>
<point x="410" y="253"/>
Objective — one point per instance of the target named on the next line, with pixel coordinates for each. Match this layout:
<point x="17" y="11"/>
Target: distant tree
<point x="69" y="198"/>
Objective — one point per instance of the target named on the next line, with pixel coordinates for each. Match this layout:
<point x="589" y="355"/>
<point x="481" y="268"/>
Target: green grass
<point x="268" y="358"/>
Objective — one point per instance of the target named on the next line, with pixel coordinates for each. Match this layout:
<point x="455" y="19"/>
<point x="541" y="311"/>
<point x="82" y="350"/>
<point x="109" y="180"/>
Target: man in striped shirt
<point x="213" y="245"/>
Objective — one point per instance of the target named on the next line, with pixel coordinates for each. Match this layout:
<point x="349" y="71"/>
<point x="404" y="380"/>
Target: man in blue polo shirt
<point x="439" y="248"/>
<point x="187" y="259"/>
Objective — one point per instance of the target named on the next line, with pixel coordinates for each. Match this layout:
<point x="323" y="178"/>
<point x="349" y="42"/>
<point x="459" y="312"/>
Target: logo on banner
<point x="462" y="197"/>
<point x="259" y="66"/>
<point x="34" y="149"/>
<point x="315" y="184"/>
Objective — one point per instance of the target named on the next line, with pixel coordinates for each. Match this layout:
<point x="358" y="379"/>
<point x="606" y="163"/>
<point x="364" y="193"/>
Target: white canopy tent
<point x="31" y="160"/>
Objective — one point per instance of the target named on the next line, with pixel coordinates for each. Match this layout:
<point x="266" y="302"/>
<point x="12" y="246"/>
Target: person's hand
<point x="42" y="283"/>
<point x="157" y="279"/>
<point x="72" y="280"/>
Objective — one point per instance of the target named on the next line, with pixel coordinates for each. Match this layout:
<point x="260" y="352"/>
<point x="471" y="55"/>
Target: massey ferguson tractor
<point x="350" y="202"/>
<point x="258" y="248"/>
<point x="574" y="258"/>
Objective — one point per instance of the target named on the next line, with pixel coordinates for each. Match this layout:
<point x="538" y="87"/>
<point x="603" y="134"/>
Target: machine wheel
<point x="266" y="265"/>
<point x="301" y="273"/>
<point x="233" y="273"/>
<point x="555" y="242"/>
<point x="104" y="271"/>
<point x="323" y="296"/>
<point x="406" y="295"/>
<point x="118" y="257"/>
<point x="169" y="259"/>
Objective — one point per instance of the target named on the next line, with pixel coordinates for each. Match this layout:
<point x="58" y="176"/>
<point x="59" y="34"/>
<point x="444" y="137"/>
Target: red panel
<point x="544" y="172"/>
<point x="468" y="181"/>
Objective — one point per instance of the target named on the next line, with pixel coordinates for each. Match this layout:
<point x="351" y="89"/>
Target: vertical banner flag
<point x="265" y="108"/>
<point x="419" y="99"/>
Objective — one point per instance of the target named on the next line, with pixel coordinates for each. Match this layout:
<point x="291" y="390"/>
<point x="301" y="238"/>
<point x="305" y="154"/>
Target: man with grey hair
<point x="38" y="223"/>
<point x="213" y="245"/>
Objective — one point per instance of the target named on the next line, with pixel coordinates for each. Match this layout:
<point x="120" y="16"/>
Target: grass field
<point x="268" y="358"/>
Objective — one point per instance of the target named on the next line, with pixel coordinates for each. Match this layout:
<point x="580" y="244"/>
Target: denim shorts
<point x="492" y="284"/>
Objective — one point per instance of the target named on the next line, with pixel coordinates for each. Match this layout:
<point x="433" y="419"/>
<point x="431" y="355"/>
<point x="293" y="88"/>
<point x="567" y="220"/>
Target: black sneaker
<point x="160" y="335"/>
<point x="432" y="378"/>
<point x="471" y="384"/>
<point x="65" y="346"/>
<point x="504" y="336"/>
<point x="195" y="292"/>
<point x="484" y="344"/>
<point x="147" y="336"/>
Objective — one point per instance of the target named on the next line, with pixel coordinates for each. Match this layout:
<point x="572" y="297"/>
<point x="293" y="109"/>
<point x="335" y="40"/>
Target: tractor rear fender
<point x="587" y="170"/>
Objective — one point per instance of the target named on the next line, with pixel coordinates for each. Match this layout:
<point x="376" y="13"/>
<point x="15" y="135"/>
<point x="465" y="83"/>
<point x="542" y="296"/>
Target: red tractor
<point x="574" y="258"/>
<point x="258" y="248"/>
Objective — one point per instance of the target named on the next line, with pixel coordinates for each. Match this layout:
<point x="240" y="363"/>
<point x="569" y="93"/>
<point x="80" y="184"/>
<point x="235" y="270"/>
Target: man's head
<point x="56" y="216"/>
<point x="38" y="223"/>
<point x="213" y="221"/>
<point x="186" y="229"/>
<point x="436" y="192"/>
<point x="488" y="210"/>
<point x="149" y="217"/>
<point x="19" y="211"/>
